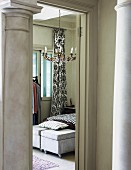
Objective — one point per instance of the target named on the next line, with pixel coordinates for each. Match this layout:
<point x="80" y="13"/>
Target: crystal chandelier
<point x="59" y="51"/>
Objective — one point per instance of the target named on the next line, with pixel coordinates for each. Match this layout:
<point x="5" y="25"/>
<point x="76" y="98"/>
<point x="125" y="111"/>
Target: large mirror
<point x="54" y="76"/>
<point x="43" y="37"/>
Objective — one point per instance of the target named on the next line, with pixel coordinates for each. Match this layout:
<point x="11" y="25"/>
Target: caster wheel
<point x="45" y="152"/>
<point x="60" y="156"/>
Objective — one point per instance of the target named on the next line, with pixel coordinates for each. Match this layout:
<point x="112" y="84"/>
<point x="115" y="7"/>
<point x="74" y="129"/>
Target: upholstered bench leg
<point x="45" y="151"/>
<point x="58" y="142"/>
<point x="60" y="156"/>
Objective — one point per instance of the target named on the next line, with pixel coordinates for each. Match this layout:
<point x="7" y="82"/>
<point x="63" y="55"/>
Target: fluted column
<point x="122" y="90"/>
<point x="16" y="84"/>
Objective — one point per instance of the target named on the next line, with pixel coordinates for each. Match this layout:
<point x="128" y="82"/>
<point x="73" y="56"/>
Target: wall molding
<point x="18" y="4"/>
<point x="17" y="27"/>
<point x="69" y="4"/>
<point x="37" y="24"/>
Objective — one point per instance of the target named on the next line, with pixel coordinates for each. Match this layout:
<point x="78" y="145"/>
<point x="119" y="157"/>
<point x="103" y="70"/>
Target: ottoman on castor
<point x="59" y="142"/>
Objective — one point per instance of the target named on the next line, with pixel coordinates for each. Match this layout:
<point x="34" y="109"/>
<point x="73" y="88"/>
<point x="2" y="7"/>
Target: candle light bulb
<point x="45" y="49"/>
<point x="72" y="50"/>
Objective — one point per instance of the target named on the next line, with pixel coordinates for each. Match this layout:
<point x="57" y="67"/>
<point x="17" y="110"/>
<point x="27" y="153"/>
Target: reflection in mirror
<point x="54" y="70"/>
<point x="43" y="37"/>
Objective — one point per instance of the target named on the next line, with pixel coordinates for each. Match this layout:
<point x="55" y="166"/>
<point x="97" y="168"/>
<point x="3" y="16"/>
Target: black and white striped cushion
<point x="69" y="118"/>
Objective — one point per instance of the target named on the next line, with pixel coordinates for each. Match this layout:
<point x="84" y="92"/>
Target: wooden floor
<point x="67" y="162"/>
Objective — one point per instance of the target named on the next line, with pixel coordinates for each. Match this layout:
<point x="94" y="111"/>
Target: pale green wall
<point x="42" y="36"/>
<point x="70" y="41"/>
<point x="106" y="64"/>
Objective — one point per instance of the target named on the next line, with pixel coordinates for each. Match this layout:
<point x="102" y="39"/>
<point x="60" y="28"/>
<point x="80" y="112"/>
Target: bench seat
<point x="58" y="142"/>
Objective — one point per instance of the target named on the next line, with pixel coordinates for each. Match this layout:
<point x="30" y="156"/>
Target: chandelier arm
<point x="60" y="57"/>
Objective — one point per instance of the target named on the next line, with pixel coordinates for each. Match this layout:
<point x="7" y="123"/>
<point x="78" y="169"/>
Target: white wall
<point x="42" y="36"/>
<point x="46" y="108"/>
<point x="70" y="41"/>
<point x="106" y="64"/>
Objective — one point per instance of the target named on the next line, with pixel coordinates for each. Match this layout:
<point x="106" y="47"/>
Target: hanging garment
<point x="38" y="91"/>
<point x="36" y="103"/>
<point x="35" y="97"/>
<point x="32" y="99"/>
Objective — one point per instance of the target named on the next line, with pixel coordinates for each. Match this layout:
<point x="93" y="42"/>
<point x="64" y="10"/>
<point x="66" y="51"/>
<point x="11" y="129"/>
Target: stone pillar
<point x="16" y="84"/>
<point x="122" y="90"/>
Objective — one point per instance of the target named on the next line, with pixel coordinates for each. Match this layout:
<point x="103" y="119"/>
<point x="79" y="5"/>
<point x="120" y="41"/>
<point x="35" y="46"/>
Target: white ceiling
<point x="49" y="12"/>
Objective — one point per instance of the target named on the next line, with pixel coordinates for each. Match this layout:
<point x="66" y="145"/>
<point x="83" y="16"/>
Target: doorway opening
<point x="56" y="33"/>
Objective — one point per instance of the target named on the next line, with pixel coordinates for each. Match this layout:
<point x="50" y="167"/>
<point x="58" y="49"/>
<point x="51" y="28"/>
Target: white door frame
<point x="86" y="82"/>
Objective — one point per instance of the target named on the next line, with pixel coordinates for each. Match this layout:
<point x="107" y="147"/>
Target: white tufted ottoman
<point x="58" y="142"/>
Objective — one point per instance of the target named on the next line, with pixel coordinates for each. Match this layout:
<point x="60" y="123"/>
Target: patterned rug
<point x="40" y="164"/>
